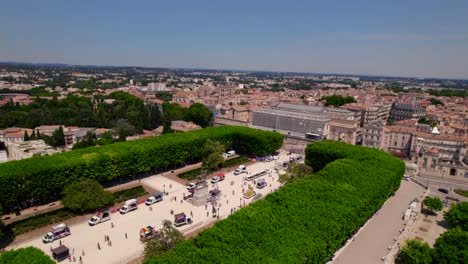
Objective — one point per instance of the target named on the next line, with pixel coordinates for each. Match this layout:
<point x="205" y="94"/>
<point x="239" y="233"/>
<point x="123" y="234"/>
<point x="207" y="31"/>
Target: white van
<point x="241" y="169"/>
<point x="129" y="205"/>
<point x="231" y="153"/>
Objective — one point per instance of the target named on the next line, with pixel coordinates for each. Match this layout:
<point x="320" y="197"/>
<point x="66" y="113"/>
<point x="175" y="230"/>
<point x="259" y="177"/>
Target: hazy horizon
<point x="420" y="39"/>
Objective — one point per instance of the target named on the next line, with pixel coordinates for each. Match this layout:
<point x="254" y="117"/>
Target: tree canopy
<point x="337" y="100"/>
<point x="85" y="196"/>
<point x="295" y="171"/>
<point x="452" y="247"/>
<point x="166" y="238"/>
<point x="415" y="252"/>
<point x="212" y="157"/>
<point x="433" y="203"/>
<point x="457" y="216"/>
<point x="30" y="255"/>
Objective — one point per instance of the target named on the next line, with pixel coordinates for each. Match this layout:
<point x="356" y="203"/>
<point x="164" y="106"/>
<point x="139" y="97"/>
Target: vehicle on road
<point x="442" y="190"/>
<point x="59" y="231"/>
<point x="181" y="219"/>
<point x="240" y="170"/>
<point x="156" y="197"/>
<point x="406" y="178"/>
<point x="129" y="206"/>
<point x="218" y="178"/>
<point x="99" y="218"/>
<point x="147" y="232"/>
<point x="191" y="186"/>
<point x="231" y="153"/>
<point x="261" y="183"/>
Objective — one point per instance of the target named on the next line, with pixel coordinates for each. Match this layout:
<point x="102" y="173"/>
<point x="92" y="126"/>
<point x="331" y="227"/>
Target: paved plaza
<point x="84" y="238"/>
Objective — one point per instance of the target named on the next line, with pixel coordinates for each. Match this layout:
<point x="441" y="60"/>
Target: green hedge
<point x="305" y="221"/>
<point x="42" y="176"/>
<point x="33" y="222"/>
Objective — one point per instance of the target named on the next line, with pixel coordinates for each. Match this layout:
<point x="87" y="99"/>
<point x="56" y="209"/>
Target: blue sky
<point x="399" y="38"/>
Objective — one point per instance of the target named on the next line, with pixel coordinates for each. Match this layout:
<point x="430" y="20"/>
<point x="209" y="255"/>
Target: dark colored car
<point x="442" y="190"/>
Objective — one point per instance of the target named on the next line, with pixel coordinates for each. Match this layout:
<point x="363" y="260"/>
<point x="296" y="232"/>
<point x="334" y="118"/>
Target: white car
<point x="215" y="179"/>
<point x="191" y="186"/>
<point x="99" y="219"/>
<point x="151" y="200"/>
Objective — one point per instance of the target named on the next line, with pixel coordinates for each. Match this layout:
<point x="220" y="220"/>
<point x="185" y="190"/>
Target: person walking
<point x="98" y="246"/>
<point x="126" y="236"/>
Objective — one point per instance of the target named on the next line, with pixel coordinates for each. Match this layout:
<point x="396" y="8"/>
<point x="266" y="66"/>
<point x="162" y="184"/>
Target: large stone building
<point x="372" y="134"/>
<point x="402" y="111"/>
<point x="305" y="121"/>
<point x="440" y="156"/>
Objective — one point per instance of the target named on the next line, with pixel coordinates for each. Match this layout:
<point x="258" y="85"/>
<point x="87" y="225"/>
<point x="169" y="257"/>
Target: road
<point x="124" y="249"/>
<point x="373" y="241"/>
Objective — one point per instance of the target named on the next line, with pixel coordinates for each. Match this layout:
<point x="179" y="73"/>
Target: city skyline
<point x="418" y="39"/>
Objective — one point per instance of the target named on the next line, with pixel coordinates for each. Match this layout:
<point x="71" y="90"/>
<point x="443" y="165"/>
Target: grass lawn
<point x="461" y="192"/>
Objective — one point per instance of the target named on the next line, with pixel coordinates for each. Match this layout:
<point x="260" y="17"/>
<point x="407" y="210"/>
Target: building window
<point x="453" y="172"/>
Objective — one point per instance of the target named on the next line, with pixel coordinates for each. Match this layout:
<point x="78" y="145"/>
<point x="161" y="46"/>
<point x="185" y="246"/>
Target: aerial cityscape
<point x="234" y="132"/>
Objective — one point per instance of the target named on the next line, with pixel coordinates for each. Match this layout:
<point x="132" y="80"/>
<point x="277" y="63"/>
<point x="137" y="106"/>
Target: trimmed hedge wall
<point x="305" y="221"/>
<point x="42" y="176"/>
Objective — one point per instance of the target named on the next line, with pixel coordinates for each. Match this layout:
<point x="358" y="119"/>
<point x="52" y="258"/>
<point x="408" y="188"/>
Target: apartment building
<point x="372" y="135"/>
<point x="402" y="111"/>
<point x="29" y="149"/>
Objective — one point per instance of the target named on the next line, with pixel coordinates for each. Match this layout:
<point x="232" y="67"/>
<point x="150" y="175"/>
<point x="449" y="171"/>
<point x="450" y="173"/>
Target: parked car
<point x="261" y="183"/>
<point x="240" y="170"/>
<point x="219" y="177"/>
<point x="156" y="197"/>
<point x="442" y="190"/>
<point x="99" y="218"/>
<point x="191" y="186"/>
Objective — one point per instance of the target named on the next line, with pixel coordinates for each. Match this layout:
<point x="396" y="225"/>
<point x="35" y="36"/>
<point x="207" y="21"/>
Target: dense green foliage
<point x="451" y="247"/>
<point x="91" y="140"/>
<point x="435" y="101"/>
<point x="338" y="100"/>
<point x="167" y="238"/>
<point x="307" y="220"/>
<point x="126" y="194"/>
<point x="165" y="96"/>
<point x="86" y="195"/>
<point x="295" y="171"/>
<point x="461" y="192"/>
<point x="83" y="112"/>
<point x="415" y="252"/>
<point x="197" y="113"/>
<point x="433" y="203"/>
<point x="43" y="176"/>
<point x="212" y="156"/>
<point x="30" y="255"/>
<point x="33" y="222"/>
<point x="424" y="120"/>
<point x="457" y="216"/>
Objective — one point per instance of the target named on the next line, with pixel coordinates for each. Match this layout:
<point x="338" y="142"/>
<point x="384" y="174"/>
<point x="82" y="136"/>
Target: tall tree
<point x="85" y="196"/>
<point x="295" y="171"/>
<point x="452" y="247"/>
<point x="433" y="204"/>
<point x="166" y="239"/>
<point x="199" y="114"/>
<point x="59" y="137"/>
<point x="457" y="216"/>
<point x="30" y="255"/>
<point x="415" y="252"/>
<point x="26" y="136"/>
<point x="212" y="155"/>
